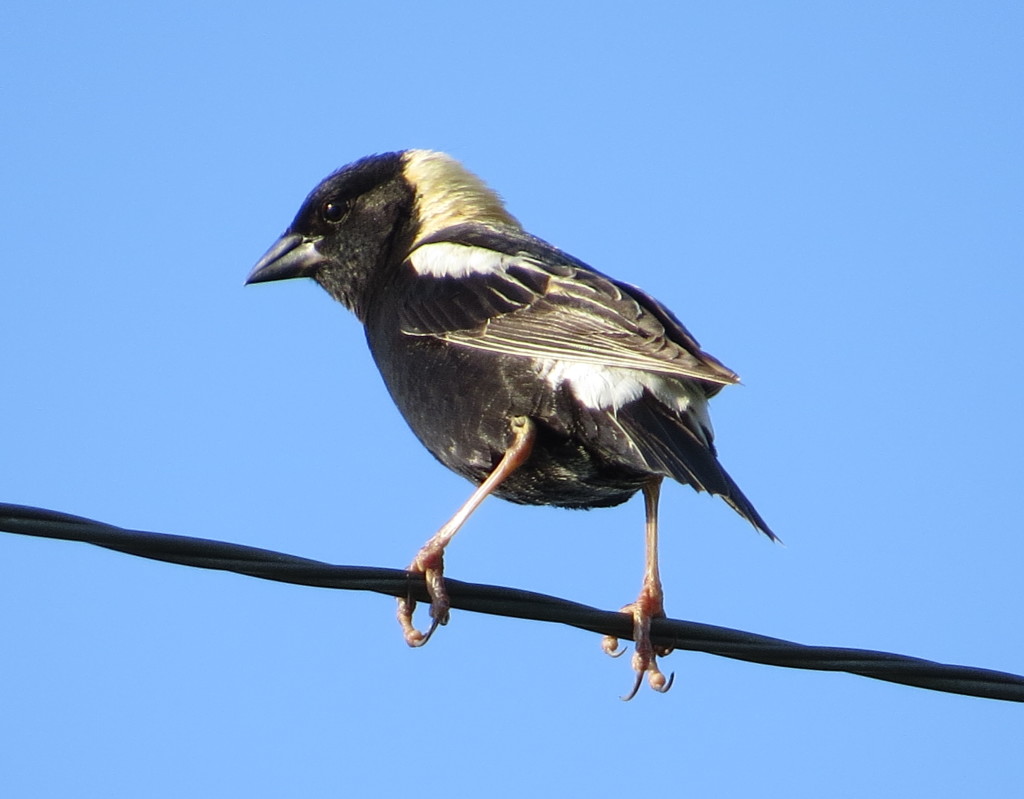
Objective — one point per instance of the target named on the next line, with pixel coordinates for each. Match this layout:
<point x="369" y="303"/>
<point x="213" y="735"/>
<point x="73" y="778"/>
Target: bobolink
<point x="519" y="367"/>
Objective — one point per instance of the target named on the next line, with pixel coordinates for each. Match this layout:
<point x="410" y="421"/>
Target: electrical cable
<point x="496" y="600"/>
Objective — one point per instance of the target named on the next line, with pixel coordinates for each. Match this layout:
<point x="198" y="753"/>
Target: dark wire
<point x="500" y="601"/>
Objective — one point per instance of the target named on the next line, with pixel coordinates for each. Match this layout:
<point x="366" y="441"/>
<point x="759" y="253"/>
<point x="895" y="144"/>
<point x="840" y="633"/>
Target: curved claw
<point x="413" y="637"/>
<point x="610" y="645"/>
<point x="636" y="687"/>
<point x="660" y="685"/>
<point x="656" y="679"/>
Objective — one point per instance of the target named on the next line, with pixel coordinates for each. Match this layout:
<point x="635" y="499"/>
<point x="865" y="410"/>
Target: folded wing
<point x="528" y="298"/>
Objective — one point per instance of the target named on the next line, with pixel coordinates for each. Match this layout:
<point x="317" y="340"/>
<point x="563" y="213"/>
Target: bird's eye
<point x="333" y="210"/>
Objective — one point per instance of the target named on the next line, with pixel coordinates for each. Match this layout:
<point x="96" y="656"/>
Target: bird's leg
<point x="430" y="560"/>
<point x="650" y="604"/>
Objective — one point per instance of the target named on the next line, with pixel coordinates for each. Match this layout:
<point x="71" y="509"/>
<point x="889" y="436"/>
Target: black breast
<point x="458" y="401"/>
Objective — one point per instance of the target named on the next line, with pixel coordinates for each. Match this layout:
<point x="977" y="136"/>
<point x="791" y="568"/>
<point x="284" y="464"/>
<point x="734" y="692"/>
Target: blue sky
<point x="829" y="195"/>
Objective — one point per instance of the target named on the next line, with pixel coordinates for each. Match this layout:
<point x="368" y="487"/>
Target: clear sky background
<point x="828" y="194"/>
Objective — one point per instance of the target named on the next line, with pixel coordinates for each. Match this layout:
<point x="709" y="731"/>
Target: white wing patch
<point x="610" y="388"/>
<point x="444" y="259"/>
<point x="597" y="387"/>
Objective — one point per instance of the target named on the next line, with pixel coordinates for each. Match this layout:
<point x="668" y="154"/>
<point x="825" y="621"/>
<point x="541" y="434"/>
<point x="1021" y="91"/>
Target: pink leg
<point x="430" y="559"/>
<point x="650" y="604"/>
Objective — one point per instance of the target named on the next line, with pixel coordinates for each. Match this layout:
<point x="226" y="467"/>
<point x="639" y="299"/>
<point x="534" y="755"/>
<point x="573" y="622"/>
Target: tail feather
<point x="676" y="446"/>
<point x="743" y="506"/>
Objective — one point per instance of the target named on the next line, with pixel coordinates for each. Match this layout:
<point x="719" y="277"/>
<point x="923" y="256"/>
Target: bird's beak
<point x="291" y="255"/>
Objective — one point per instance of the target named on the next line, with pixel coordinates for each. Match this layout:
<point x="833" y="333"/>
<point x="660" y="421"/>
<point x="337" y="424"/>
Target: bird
<point x="538" y="378"/>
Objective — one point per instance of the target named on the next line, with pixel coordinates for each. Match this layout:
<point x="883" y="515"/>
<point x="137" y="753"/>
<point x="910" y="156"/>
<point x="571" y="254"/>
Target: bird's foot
<point x="649" y="605"/>
<point x="430" y="563"/>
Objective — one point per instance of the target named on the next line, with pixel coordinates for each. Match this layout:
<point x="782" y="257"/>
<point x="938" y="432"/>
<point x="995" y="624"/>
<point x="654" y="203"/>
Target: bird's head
<point x="365" y="219"/>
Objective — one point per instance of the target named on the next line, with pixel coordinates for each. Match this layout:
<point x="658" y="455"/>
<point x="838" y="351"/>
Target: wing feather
<point x="530" y="299"/>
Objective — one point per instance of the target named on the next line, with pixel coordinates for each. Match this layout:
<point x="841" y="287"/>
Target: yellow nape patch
<point x="447" y="194"/>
